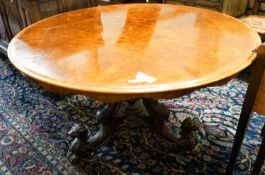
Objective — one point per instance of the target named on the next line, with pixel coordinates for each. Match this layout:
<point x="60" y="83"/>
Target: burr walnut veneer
<point x="129" y="52"/>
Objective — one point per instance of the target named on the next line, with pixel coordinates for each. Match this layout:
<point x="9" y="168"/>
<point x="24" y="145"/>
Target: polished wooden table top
<point x="120" y="52"/>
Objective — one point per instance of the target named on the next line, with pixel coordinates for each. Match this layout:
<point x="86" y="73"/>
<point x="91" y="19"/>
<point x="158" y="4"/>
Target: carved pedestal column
<point x="113" y="114"/>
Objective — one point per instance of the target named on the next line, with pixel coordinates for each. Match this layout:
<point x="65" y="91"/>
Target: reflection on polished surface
<point x="102" y="50"/>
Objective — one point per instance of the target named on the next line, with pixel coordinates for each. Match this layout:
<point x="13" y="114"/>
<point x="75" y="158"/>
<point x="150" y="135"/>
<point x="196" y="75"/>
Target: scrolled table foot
<point x="79" y="146"/>
<point x="83" y="145"/>
<point x="186" y="142"/>
<point x="188" y="139"/>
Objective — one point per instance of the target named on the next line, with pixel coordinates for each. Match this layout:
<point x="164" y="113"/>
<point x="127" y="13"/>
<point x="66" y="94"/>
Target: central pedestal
<point x="151" y="111"/>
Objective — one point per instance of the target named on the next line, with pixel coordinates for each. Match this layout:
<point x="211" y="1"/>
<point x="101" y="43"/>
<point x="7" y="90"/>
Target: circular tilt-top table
<point x="128" y="56"/>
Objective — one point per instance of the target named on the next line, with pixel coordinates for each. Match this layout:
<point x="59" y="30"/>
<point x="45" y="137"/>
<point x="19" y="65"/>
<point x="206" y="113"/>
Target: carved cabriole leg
<point x="108" y="122"/>
<point x="159" y="114"/>
<point x="83" y="145"/>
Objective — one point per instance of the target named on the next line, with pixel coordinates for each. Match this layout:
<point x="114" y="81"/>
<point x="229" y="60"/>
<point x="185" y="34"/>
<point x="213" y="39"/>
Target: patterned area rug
<point x="34" y="125"/>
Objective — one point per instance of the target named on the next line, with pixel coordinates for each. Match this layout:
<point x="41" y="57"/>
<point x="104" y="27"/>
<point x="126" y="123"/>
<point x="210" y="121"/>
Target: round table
<point x="130" y="55"/>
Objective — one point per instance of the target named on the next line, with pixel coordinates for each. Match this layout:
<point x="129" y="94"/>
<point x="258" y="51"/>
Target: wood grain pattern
<point x="259" y="105"/>
<point x="235" y="7"/>
<point x="120" y="52"/>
